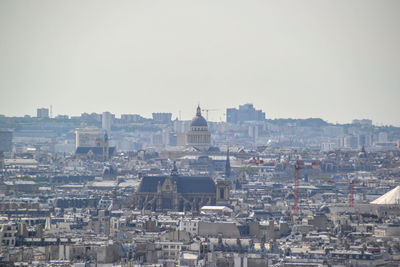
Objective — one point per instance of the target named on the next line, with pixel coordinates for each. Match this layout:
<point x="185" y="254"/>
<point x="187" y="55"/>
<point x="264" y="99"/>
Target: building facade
<point x="86" y="137"/>
<point x="42" y="113"/>
<point x="245" y="113"/>
<point x="162" y="117"/>
<point x="90" y="144"/>
<point x="5" y="140"/>
<point x="179" y="193"/>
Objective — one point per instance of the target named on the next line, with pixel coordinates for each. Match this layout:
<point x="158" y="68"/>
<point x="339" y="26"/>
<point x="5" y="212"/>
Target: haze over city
<point x="336" y="60"/>
<point x="210" y="133"/>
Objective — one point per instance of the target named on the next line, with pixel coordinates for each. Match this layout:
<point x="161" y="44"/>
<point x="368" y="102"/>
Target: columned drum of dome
<point x="199" y="136"/>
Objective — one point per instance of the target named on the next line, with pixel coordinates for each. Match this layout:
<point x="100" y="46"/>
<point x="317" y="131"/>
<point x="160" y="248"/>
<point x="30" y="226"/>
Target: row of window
<point x="7" y="242"/>
<point x="8" y="228"/>
<point x="198" y="138"/>
<point x="9" y="234"/>
<point x="173" y="247"/>
<point x="186" y="223"/>
<point x="171" y="253"/>
<point x="188" y="229"/>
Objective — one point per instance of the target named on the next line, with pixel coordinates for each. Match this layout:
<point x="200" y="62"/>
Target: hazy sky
<point x="338" y="60"/>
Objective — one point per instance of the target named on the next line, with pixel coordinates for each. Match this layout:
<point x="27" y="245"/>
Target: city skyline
<point x="199" y="133"/>
<point x="333" y="60"/>
<point x="175" y="116"/>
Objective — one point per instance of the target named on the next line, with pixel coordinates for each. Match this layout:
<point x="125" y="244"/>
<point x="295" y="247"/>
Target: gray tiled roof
<point x="185" y="184"/>
<point x="96" y="150"/>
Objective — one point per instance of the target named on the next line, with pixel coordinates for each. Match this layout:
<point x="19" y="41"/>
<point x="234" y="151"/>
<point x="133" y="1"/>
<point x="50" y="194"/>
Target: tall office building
<point x="5" y="140"/>
<point x="364" y="140"/>
<point x="42" y="113"/>
<point x="231" y="115"/>
<point x="245" y="113"/>
<point x="350" y="141"/>
<point x="5" y="145"/>
<point x="106" y="121"/>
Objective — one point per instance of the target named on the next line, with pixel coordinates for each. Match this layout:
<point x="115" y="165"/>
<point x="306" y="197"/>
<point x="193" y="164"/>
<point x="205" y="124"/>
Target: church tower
<point x="227" y="166"/>
<point x="223" y="192"/>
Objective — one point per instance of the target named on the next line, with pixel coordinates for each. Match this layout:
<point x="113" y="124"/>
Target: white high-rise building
<point x="106" y="121"/>
<point x="351" y="141"/>
<point x="253" y="131"/>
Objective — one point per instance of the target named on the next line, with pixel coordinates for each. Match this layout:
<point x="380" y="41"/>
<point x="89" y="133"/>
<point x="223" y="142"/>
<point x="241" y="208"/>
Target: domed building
<point x="199" y="136"/>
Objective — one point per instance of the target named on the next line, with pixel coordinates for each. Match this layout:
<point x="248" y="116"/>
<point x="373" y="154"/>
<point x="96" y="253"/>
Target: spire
<point x="47" y="225"/>
<point x="198" y="112"/>
<point x="105" y="147"/>
<point x="174" y="171"/>
<point x="363" y="150"/>
<point x="227" y="165"/>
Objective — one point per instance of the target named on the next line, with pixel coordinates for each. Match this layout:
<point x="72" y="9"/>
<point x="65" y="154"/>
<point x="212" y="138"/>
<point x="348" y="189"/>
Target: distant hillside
<point x="311" y="122"/>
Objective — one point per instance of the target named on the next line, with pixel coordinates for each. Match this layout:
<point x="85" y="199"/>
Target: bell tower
<point x="222" y="192"/>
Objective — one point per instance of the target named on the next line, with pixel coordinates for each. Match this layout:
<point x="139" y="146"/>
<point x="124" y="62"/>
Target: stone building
<point x="179" y="193"/>
<point x="100" y="150"/>
<point x="198" y="136"/>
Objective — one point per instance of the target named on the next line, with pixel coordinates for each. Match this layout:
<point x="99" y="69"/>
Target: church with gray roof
<point x="180" y="193"/>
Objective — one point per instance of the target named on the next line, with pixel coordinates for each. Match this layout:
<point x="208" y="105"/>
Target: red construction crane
<point x="352" y="182"/>
<point x="351" y="191"/>
<point x="300" y="165"/>
<point x="296" y="188"/>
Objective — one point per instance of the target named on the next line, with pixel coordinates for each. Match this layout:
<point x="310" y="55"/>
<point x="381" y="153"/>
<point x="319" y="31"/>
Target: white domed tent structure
<point x="390" y="198"/>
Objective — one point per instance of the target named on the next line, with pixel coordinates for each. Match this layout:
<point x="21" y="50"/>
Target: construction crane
<point x="351" y="191"/>
<point x="297" y="167"/>
<point x="351" y="184"/>
<point x="296" y="188"/>
<point x="207" y="110"/>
